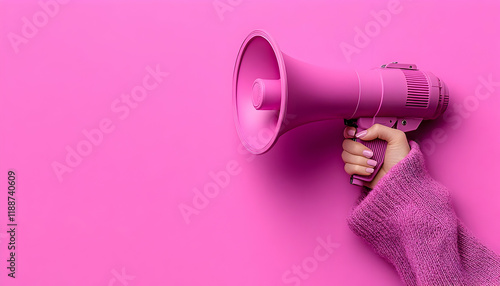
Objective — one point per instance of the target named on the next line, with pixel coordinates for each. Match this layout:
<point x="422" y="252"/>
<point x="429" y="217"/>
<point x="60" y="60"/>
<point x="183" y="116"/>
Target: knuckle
<point x="362" y="161"/>
<point x="359" y="148"/>
<point x="376" y="127"/>
<point x="398" y="134"/>
<point x="397" y="131"/>
<point x="348" y="169"/>
<point x="346" y="143"/>
<point x="344" y="156"/>
<point x="356" y="170"/>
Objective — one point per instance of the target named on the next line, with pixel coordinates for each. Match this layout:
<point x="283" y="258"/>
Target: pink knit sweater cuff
<point x="407" y="188"/>
<point x="408" y="219"/>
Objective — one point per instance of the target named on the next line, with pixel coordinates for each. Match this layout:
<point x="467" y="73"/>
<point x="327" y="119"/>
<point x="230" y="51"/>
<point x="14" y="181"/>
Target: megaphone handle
<point x="378" y="146"/>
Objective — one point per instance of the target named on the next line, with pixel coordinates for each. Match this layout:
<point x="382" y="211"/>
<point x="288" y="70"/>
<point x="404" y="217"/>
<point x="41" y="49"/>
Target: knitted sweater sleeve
<point x="407" y="218"/>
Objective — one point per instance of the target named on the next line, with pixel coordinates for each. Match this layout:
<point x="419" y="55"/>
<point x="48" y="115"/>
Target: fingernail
<point x="351" y="132"/>
<point x="372" y="162"/>
<point x="370" y="170"/>
<point x="367" y="153"/>
<point x="361" y="134"/>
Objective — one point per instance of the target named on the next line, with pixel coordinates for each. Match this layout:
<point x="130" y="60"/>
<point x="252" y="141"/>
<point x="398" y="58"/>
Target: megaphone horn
<point x="270" y="87"/>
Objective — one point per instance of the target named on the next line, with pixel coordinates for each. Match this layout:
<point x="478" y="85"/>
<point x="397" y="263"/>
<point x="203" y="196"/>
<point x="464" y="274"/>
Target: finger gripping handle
<point x="378" y="146"/>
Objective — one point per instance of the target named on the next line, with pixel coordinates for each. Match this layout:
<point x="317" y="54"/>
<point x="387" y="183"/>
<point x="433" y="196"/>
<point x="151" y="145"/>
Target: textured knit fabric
<point x="407" y="218"/>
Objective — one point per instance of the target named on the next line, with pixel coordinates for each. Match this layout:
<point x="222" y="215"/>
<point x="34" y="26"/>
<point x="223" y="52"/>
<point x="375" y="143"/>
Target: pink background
<point x="118" y="212"/>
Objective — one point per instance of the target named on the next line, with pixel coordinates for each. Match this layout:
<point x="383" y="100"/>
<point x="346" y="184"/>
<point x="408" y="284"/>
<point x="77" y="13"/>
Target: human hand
<point x="356" y="156"/>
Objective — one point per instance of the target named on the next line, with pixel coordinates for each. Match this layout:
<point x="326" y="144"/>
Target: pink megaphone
<point x="274" y="93"/>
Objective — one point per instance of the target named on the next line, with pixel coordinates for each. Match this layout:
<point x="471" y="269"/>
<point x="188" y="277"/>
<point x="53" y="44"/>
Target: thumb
<point x="388" y="134"/>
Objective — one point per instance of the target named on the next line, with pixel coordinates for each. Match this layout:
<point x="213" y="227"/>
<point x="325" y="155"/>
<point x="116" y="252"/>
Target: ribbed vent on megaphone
<point x="446" y="100"/>
<point x="418" y="89"/>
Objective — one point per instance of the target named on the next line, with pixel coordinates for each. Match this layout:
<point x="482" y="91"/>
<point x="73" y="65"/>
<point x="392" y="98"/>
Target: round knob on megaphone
<point x="266" y="94"/>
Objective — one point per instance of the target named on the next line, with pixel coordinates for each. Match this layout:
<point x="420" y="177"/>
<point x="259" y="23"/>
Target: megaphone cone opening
<point x="259" y="92"/>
